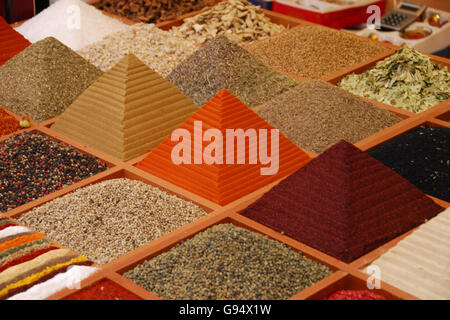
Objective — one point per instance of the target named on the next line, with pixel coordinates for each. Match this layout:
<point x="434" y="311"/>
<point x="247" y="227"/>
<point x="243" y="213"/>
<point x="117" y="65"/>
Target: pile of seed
<point x="152" y="11"/>
<point x="313" y="51"/>
<point x="221" y="64"/>
<point x="422" y="157"/>
<point x="158" y="49"/>
<point x="237" y="19"/>
<point x="44" y="79"/>
<point x="315" y="115"/>
<point x="108" y="219"/>
<point x="408" y="79"/>
<point x="228" y="262"/>
<point x="33" y="165"/>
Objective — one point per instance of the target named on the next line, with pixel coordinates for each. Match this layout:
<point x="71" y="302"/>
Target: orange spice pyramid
<point x="223" y="183"/>
<point x="11" y="42"/>
<point x="126" y="112"/>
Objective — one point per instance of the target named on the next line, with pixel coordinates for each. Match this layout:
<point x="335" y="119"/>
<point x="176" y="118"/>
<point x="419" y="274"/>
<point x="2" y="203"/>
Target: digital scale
<point x="402" y="16"/>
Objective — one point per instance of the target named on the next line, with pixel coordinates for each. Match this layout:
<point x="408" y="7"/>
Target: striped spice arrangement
<point x="343" y="203"/>
<point x="11" y="41"/>
<point x="126" y="112"/>
<point x="420" y="263"/>
<point x="28" y="258"/>
<point x="223" y="183"/>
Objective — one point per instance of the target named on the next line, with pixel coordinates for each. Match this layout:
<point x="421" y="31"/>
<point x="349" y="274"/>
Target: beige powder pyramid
<point x="128" y="111"/>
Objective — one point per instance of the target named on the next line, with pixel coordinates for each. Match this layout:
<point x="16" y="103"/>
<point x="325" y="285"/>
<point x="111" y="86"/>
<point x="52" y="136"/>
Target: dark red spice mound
<point x="421" y="156"/>
<point x="343" y="203"/>
<point x="11" y="41"/>
<point x="355" y="295"/>
<point x="103" y="290"/>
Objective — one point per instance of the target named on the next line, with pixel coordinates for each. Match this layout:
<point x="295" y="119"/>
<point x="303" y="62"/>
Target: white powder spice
<point x="73" y="22"/>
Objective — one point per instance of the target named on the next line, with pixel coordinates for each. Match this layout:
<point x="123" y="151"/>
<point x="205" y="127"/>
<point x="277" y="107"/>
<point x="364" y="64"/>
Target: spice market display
<point x="215" y="150"/>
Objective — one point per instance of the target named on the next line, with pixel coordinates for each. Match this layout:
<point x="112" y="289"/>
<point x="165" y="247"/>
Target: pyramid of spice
<point x="11" y="41"/>
<point x="315" y="115"/>
<point x="109" y="219"/>
<point x="33" y="165"/>
<point x="408" y="79"/>
<point x="221" y="181"/>
<point x="313" y="51"/>
<point x="126" y="112"/>
<point x="28" y="259"/>
<point x="228" y="262"/>
<point x="44" y="79"/>
<point x="343" y="203"/>
<point x="221" y="64"/>
<point x="421" y="156"/>
<point x="420" y="263"/>
<point x="8" y="124"/>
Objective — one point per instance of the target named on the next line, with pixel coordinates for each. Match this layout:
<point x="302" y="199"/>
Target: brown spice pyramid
<point x="343" y="203"/>
<point x="128" y="111"/>
<point x="11" y="42"/>
<point x="223" y="183"/>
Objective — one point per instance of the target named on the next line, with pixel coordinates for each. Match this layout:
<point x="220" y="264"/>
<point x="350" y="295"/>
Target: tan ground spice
<point x="313" y="51"/>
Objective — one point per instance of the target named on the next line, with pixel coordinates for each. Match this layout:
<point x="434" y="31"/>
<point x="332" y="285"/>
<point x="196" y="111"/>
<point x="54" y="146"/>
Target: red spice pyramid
<point x="223" y="183"/>
<point x="344" y="203"/>
<point x="11" y="42"/>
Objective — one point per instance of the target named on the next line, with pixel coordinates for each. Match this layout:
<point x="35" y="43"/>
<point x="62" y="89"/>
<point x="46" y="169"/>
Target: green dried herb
<point x="222" y="64"/>
<point x="408" y="79"/>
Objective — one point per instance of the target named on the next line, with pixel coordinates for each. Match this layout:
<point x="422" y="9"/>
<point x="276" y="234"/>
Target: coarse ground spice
<point x="355" y="295"/>
<point x="112" y="217"/>
<point x="103" y="290"/>
<point x="343" y="203"/>
<point x="315" y="115"/>
<point x="228" y="262"/>
<point x="8" y="124"/>
<point x="50" y="76"/>
<point x="158" y="49"/>
<point x="313" y="51"/>
<point x="221" y="64"/>
<point x="33" y="165"/>
<point x="421" y="156"/>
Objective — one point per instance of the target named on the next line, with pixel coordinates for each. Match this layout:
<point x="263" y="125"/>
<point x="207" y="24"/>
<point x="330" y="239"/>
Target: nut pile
<point x="152" y="11"/>
<point x="228" y="262"/>
<point x="313" y="51"/>
<point x="158" y="49"/>
<point x="240" y="21"/>
<point x="108" y="219"/>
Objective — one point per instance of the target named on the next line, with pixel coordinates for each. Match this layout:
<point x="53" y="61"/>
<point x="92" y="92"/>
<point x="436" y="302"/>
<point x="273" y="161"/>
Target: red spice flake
<point x="26" y="258"/>
<point x="8" y="124"/>
<point x="103" y="290"/>
<point x="355" y="295"/>
<point x="343" y="203"/>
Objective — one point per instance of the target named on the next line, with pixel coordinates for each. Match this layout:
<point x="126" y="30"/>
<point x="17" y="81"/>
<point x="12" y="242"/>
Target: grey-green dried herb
<point x="408" y="79"/>
<point x="313" y="51"/>
<point x="222" y="64"/>
<point x="315" y="115"/>
<point x="44" y="79"/>
<point x="228" y="262"/>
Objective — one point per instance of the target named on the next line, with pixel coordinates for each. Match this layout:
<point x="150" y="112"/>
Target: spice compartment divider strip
<point x="49" y="122"/>
<point x="440" y="122"/>
<point x="6" y="136"/>
<point x="444" y="115"/>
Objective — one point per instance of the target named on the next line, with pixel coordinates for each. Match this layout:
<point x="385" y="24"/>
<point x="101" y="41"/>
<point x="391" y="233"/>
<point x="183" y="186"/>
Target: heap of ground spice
<point x="315" y="115"/>
<point x="228" y="262"/>
<point x="222" y="64"/>
<point x="313" y="51"/>
<point x="103" y="290"/>
<point x="343" y="203"/>
<point x="421" y="156"/>
<point x="50" y="76"/>
<point x="11" y="41"/>
<point x="8" y="124"/>
<point x="355" y="295"/>
<point x="33" y="165"/>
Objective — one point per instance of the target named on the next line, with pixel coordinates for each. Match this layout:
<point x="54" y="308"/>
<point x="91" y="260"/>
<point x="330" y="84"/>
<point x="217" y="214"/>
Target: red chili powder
<point x="8" y="124"/>
<point x="355" y="295"/>
<point x="103" y="290"/>
<point x="6" y="225"/>
<point x="12" y="42"/>
<point x="343" y="203"/>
